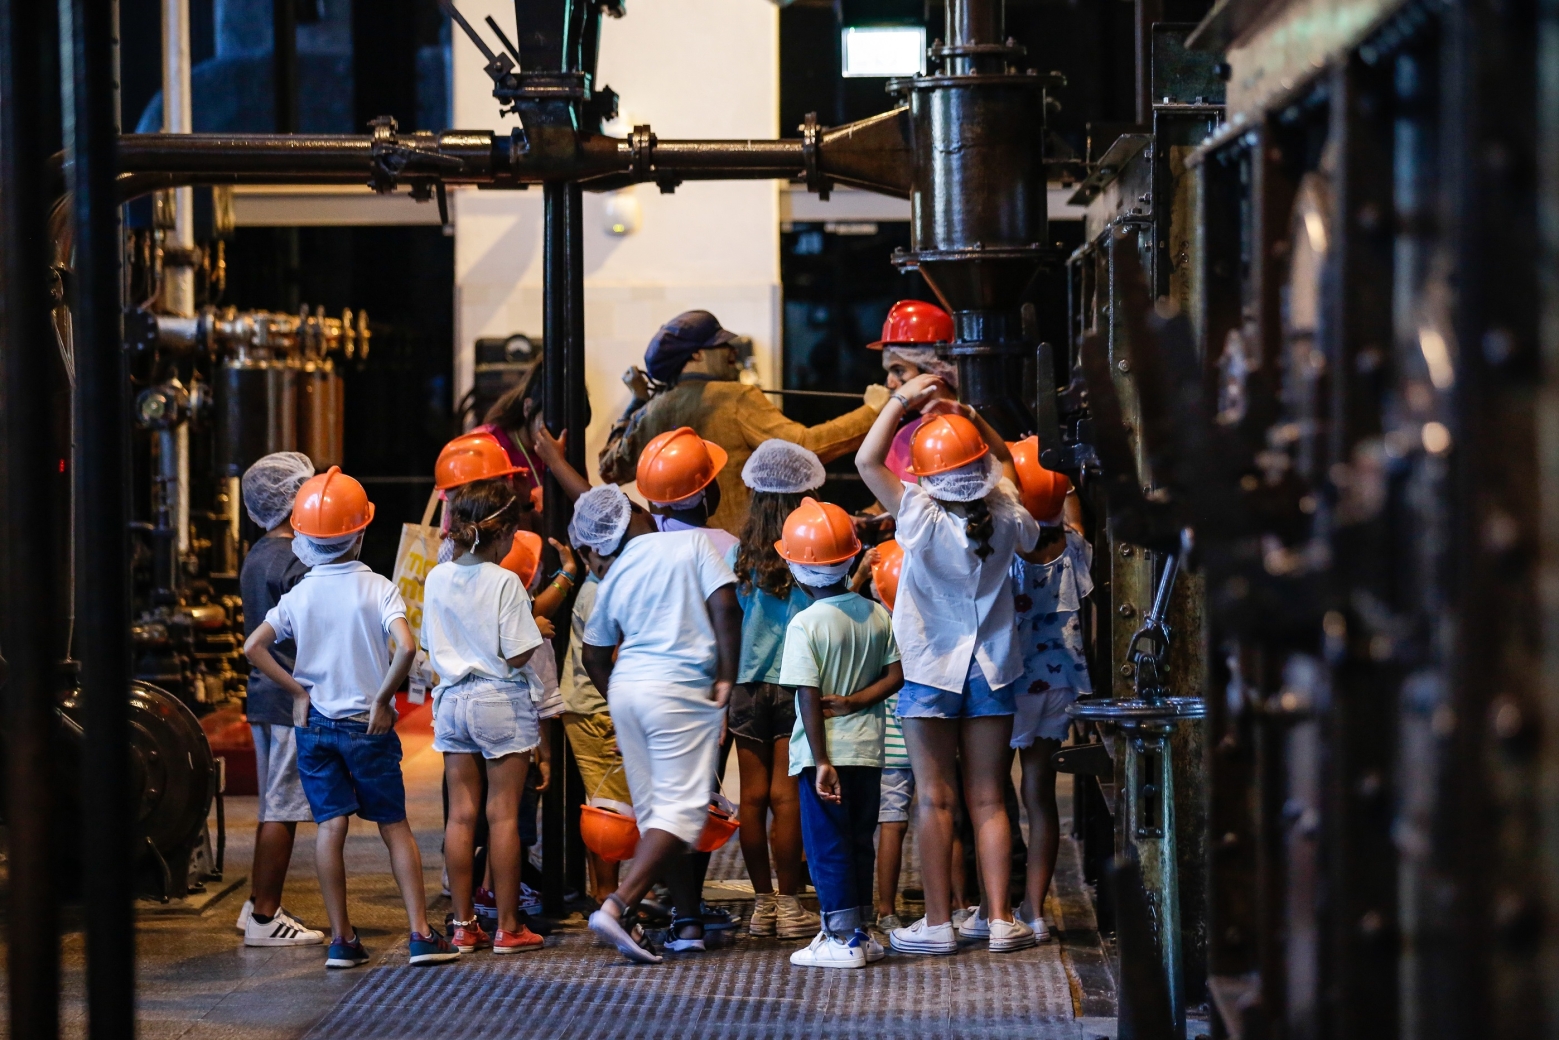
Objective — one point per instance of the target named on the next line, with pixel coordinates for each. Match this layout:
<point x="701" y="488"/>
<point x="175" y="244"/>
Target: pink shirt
<point x="899" y="454"/>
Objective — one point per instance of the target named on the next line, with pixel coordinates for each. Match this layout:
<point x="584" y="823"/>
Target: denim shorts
<point x="485" y="717"/>
<point x="975" y="700"/>
<point x="898" y="787"/>
<point x="346" y="771"/>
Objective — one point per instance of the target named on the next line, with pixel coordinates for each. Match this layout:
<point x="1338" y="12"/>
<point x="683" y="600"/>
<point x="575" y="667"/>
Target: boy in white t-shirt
<point x="343" y="684"/>
<point x="663" y="644"/>
<point x="841" y="659"/>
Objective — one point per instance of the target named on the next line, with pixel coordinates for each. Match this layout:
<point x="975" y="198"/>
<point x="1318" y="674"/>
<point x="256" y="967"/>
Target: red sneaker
<point x="469" y="937"/>
<point x="517" y="942"/>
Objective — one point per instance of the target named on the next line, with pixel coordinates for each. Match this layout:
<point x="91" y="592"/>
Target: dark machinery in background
<point x="1302" y="399"/>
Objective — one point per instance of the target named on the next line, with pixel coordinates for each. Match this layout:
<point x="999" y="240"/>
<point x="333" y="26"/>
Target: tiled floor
<point x="197" y="982"/>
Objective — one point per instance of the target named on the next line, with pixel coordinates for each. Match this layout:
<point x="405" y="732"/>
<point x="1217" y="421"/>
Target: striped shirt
<point x="894" y="754"/>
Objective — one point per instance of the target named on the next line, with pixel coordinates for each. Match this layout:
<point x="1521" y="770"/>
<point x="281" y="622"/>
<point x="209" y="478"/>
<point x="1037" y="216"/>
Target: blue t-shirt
<point x="764" y="621"/>
<point x="270" y="569"/>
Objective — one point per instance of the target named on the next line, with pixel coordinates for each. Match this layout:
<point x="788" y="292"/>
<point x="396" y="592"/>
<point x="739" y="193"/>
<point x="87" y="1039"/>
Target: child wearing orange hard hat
<point x="1049" y="584"/>
<point x="960" y="528"/>
<point x="841" y="659"/>
<point x="343" y="684"/>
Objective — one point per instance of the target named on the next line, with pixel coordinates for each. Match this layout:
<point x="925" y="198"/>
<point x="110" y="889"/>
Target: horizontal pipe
<point x="684" y="157"/>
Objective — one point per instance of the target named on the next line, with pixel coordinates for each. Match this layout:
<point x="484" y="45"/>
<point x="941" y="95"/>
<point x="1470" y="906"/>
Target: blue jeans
<point x="838" y="840"/>
<point x="346" y="771"/>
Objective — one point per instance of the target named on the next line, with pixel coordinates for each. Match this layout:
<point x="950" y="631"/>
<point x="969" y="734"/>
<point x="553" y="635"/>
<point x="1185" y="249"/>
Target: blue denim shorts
<point x="346" y="771"/>
<point x="485" y="717"/>
<point x="975" y="700"/>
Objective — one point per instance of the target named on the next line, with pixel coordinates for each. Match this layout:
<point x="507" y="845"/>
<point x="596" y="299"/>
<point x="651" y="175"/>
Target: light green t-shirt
<point x="840" y="645"/>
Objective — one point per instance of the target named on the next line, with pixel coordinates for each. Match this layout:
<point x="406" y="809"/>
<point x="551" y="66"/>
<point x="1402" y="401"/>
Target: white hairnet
<point x="318" y="551"/>
<point x="600" y="519"/>
<point x="820" y="576"/>
<point x="272" y="483"/>
<point x="782" y="467"/>
<point x="925" y="359"/>
<point x="967" y="483"/>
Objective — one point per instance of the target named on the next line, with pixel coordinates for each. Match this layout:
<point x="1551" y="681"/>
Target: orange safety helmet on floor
<point x="1043" y="491"/>
<point x="886" y="570"/>
<point x="678" y="464"/>
<point x="524" y="556"/>
<point x="914" y="323"/>
<point x="471" y="456"/>
<point x="331" y="505"/>
<point x="818" y="533"/>
<point x="611" y="835"/>
<point x="945" y="442"/>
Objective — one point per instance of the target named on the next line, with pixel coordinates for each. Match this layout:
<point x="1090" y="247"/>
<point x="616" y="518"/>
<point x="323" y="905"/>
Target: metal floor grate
<point x="744" y="989"/>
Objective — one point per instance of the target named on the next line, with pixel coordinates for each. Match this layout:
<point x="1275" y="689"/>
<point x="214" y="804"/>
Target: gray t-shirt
<point x="269" y="570"/>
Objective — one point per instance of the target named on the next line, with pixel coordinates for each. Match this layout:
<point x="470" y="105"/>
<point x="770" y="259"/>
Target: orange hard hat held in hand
<point x="1043" y="491"/>
<point x="472" y="456"/>
<point x="914" y="323"/>
<point x="678" y="465"/>
<point x="818" y="533"/>
<point x="945" y="442"/>
<point x="331" y="505"/>
<point x="886" y="570"/>
<point x="524" y="556"/>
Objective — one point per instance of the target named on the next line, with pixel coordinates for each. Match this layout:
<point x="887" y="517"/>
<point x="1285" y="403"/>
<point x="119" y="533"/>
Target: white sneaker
<point x="1039" y="928"/>
<point x="825" y="951"/>
<point x="243" y="915"/>
<point x="281" y="930"/>
<point x="869" y="943"/>
<point x="974" y="925"/>
<point x="1007" y="936"/>
<point x="764" y="915"/>
<point x="921" y="937"/>
<point x="792" y="920"/>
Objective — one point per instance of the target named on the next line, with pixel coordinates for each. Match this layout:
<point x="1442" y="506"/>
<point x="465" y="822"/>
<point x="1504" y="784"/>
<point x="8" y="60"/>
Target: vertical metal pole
<point x="577" y="414"/>
<point x="284" y="64"/>
<point x="563" y="325"/>
<point x="104" y="615"/>
<point x="177" y="118"/>
<point x="29" y="613"/>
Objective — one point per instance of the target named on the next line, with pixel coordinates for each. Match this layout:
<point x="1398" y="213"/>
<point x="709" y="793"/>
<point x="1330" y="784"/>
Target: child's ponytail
<point x="979" y="525"/>
<point x="481" y="512"/>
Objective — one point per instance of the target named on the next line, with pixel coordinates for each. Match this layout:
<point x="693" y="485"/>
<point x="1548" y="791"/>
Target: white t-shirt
<point x="474" y="617"/>
<point x="651" y="605"/>
<point x="339" y="614"/>
<point x="953" y="606"/>
<point x="544" y="692"/>
<point x="722" y="540"/>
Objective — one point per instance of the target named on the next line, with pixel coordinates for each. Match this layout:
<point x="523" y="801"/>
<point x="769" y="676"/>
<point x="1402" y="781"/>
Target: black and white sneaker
<point x="281" y="930"/>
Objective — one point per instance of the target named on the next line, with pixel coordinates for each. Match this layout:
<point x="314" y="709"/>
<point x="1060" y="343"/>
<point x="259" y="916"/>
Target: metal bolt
<point x="1126" y="551"/>
<point x="1126" y="610"/>
<point x="1128" y="669"/>
<point x="1123" y="365"/>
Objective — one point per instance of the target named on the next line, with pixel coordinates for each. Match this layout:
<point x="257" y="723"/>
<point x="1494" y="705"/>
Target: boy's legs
<point x="859" y="787"/>
<point x="506" y="784"/>
<point x="1039" y="799"/>
<point x="330" y="865"/>
<point x="272" y="855"/>
<point x="933" y="745"/>
<point x="825" y="830"/>
<point x="890" y="864"/>
<point x="406" y="865"/>
<point x="463" y="785"/>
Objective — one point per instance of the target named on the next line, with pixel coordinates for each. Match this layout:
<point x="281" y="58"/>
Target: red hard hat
<point x="1043" y="491"/>
<point x="914" y="323"/>
<point x="471" y="456"/>
<point x="945" y="442"/>
<point x="678" y="464"/>
<point x="818" y="533"/>
<point x="524" y="556"/>
<point x="610" y="835"/>
<point x="886" y="571"/>
<point x="331" y="505"/>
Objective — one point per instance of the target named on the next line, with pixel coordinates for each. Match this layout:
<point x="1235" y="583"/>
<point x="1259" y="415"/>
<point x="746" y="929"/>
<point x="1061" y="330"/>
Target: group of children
<point x="843" y="710"/>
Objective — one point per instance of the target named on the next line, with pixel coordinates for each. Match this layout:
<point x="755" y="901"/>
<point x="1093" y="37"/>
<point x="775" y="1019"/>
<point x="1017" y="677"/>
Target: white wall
<point x="689" y="68"/>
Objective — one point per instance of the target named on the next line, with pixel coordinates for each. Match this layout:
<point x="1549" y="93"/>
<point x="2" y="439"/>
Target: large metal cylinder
<point x="257" y="400"/>
<point x="320" y="404"/>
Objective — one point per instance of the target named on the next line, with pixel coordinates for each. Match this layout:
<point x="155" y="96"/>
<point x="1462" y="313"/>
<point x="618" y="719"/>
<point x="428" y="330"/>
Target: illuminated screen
<point x="884" y="51"/>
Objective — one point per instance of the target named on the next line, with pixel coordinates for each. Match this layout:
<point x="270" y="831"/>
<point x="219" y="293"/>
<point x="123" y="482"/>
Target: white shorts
<point x="898" y="787"/>
<point x="1042" y="715"/>
<point x="276" y="775"/>
<point x="669" y="736"/>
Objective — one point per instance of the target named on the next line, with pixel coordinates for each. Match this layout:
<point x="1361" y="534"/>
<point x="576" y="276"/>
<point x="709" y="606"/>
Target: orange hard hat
<point x="1043" y="491"/>
<point x="718" y="829"/>
<point x="945" y="442"/>
<point x="524" y="556"/>
<point x="610" y="835"/>
<point x="886" y="571"/>
<point x="471" y="456"/>
<point x="914" y="323"/>
<point x="677" y="465"/>
<point x="818" y="533"/>
<point x="331" y="505"/>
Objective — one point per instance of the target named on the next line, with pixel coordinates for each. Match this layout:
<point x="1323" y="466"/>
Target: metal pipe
<point x="178" y="285"/>
<point x="29" y="623"/>
<point x="108" y="816"/>
<point x="284" y="64"/>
